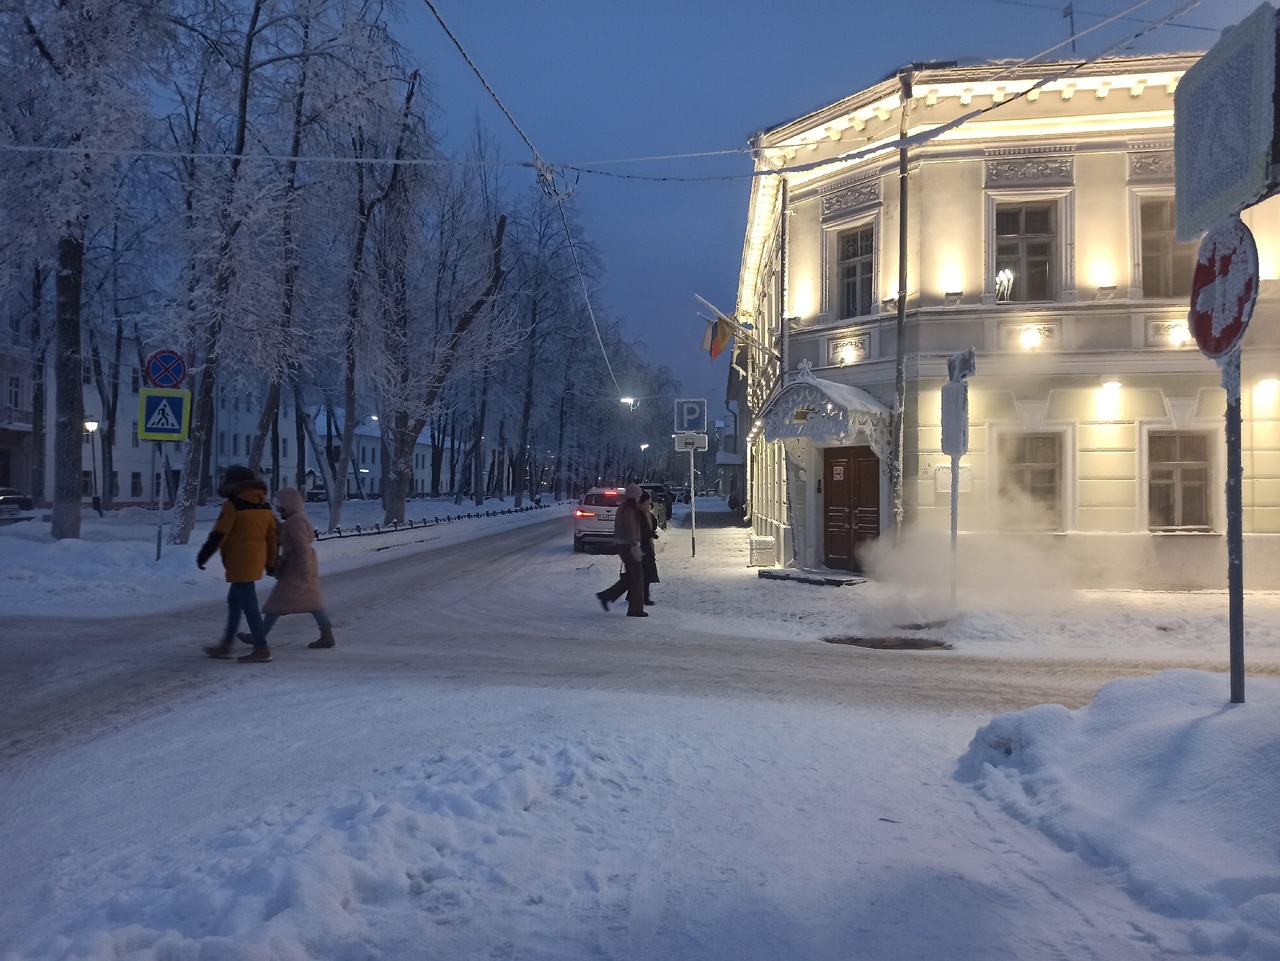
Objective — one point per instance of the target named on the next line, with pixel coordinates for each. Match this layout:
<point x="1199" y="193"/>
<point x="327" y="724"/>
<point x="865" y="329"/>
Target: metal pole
<point x="93" y="463"/>
<point x="900" y="366"/>
<point x="155" y="456"/>
<point x="693" y="510"/>
<point x="160" y="506"/>
<point x="1235" y="525"/>
<point x="955" y="513"/>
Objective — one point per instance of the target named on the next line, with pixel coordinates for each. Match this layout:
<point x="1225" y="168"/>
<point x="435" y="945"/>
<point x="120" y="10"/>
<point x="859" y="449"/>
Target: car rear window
<point x="601" y="500"/>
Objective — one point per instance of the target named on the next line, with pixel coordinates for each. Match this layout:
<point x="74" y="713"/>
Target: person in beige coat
<point x="297" y="589"/>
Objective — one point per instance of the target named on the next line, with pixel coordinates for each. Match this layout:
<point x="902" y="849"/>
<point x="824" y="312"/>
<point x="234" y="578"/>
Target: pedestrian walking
<point x="245" y="536"/>
<point x="648" y="534"/>
<point x="297" y="589"/>
<point x="626" y="538"/>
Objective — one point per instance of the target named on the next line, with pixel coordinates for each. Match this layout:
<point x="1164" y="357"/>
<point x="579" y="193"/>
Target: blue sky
<point x="593" y="80"/>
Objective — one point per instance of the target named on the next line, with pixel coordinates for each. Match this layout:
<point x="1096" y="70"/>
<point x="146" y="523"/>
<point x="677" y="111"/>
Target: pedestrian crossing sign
<point x="163" y="414"/>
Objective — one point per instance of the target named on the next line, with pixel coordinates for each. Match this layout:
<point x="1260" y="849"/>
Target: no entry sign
<point x="1224" y="288"/>
<point x="166" y="369"/>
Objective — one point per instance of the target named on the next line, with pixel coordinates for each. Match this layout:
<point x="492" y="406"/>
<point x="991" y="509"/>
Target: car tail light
<point x="581" y="513"/>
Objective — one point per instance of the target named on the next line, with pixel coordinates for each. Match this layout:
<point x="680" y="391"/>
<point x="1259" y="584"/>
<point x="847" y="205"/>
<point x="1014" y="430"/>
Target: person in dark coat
<point x="648" y="534"/>
<point x="245" y="535"/>
<point x="626" y="538"/>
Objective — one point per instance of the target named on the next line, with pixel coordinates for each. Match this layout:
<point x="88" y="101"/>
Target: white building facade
<point x="1041" y="234"/>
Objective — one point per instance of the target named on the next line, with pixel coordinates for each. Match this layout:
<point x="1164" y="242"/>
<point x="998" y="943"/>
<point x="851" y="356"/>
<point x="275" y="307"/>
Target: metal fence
<point x="411" y="525"/>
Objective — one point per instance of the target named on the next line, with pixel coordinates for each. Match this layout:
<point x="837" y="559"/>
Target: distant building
<point x="1040" y="233"/>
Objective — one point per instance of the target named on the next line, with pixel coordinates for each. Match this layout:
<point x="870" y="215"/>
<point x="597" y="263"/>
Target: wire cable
<point x="546" y="175"/>
<point x="1090" y="13"/>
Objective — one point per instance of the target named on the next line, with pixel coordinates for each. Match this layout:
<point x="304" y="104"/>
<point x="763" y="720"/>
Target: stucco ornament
<point x="827" y="414"/>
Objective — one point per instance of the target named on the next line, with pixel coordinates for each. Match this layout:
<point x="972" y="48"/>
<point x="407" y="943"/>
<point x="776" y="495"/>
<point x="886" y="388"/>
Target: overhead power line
<point x="547" y="180"/>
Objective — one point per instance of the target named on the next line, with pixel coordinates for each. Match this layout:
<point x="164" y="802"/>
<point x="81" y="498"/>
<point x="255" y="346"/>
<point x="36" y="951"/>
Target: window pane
<point x="1195" y="498"/>
<point x="1008" y="222"/>
<point x="1036" y="220"/>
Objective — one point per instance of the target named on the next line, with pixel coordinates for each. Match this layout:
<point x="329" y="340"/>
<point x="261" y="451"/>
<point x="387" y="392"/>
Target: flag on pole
<point x="718" y="336"/>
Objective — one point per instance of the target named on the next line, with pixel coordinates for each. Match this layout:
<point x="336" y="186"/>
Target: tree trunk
<point x="38" y="353"/>
<point x="68" y="432"/>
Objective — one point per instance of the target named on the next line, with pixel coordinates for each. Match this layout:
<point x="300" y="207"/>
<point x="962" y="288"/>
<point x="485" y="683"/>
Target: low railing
<point x="410" y="525"/>
<point x="11" y="416"/>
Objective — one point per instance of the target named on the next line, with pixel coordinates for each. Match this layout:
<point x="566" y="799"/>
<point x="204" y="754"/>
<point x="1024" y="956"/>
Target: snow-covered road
<point x="473" y="611"/>
<point x="489" y="766"/>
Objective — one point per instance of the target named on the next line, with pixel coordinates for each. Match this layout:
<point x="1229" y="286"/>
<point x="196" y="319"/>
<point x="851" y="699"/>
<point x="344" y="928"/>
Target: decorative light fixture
<point x="1106" y="292"/>
<point x="1179" y="334"/>
<point x="890" y="301"/>
<point x="1110" y="382"/>
<point x="1029" y="338"/>
<point x="90" y="425"/>
<point x="1004" y="285"/>
<point x="952" y="298"/>
<point x="848" y="353"/>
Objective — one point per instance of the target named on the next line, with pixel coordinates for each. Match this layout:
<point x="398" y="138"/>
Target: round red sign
<point x="1224" y="288"/>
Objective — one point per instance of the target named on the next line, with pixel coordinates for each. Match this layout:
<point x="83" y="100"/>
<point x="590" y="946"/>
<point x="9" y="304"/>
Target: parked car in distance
<point x="593" y="519"/>
<point x="12" y="497"/>
<point x="317" y="494"/>
<point x="13" y="503"/>
<point x="663" y="501"/>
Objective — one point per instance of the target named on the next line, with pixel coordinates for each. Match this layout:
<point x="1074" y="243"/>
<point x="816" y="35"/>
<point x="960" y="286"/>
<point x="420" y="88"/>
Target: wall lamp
<point x="952" y="298"/>
<point x="1107" y="292"/>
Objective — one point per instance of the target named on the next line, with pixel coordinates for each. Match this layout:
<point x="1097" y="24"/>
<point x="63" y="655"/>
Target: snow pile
<point x="1161" y="786"/>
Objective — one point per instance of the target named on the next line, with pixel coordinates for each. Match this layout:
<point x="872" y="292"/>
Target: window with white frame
<point x="222" y="442"/>
<point x="1030" y="472"/>
<point x="235" y="445"/>
<point x="1167" y="266"/>
<point x="135" y="439"/>
<point x="855" y="270"/>
<point x="135" y="484"/>
<point x="1025" y="246"/>
<point x="15" y="392"/>
<point x="1178" y="477"/>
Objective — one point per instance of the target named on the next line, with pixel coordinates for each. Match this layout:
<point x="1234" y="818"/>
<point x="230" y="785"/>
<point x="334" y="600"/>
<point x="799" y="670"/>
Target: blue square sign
<point x="691" y="416"/>
<point x="163" y="414"/>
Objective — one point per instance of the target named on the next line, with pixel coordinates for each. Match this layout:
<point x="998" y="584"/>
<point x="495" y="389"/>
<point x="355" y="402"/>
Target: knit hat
<point x="238" y="472"/>
<point x="633" y="491"/>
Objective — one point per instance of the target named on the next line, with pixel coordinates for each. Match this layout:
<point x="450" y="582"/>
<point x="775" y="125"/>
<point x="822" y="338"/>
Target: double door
<point x="851" y="505"/>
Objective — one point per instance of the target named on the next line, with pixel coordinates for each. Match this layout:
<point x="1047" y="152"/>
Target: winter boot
<point x="259" y="655"/>
<point x="221" y="651"/>
<point x="325" y="639"/>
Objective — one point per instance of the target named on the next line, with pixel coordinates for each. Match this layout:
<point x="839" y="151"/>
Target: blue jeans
<point x="322" y="621"/>
<point x="243" y="596"/>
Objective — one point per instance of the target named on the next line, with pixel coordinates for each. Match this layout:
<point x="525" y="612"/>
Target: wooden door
<point x="851" y="504"/>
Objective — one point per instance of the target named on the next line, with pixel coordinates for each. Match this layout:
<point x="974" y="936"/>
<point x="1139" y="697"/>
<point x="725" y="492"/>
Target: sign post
<point x="1223" y="292"/>
<point x="955" y="437"/>
<point x="692" y="441"/>
<point x="164" y="414"/>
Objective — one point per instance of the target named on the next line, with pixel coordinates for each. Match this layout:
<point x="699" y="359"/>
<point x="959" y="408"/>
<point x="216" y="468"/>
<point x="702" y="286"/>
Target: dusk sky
<point x="591" y="80"/>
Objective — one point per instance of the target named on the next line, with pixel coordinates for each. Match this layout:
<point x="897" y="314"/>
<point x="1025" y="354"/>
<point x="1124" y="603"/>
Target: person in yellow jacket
<point x="245" y="535"/>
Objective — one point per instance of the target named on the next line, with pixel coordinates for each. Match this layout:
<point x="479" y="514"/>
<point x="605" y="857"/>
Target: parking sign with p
<point x="691" y="416"/>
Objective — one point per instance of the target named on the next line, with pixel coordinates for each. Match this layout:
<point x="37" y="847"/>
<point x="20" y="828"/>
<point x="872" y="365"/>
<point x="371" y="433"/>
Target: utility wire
<point x="546" y="179"/>
<point x="1090" y="13"/>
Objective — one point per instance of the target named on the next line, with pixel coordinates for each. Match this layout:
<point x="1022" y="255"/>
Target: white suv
<point x="593" y="520"/>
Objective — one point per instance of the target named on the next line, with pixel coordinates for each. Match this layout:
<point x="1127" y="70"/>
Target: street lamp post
<point x="644" y="462"/>
<point x="92" y="427"/>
